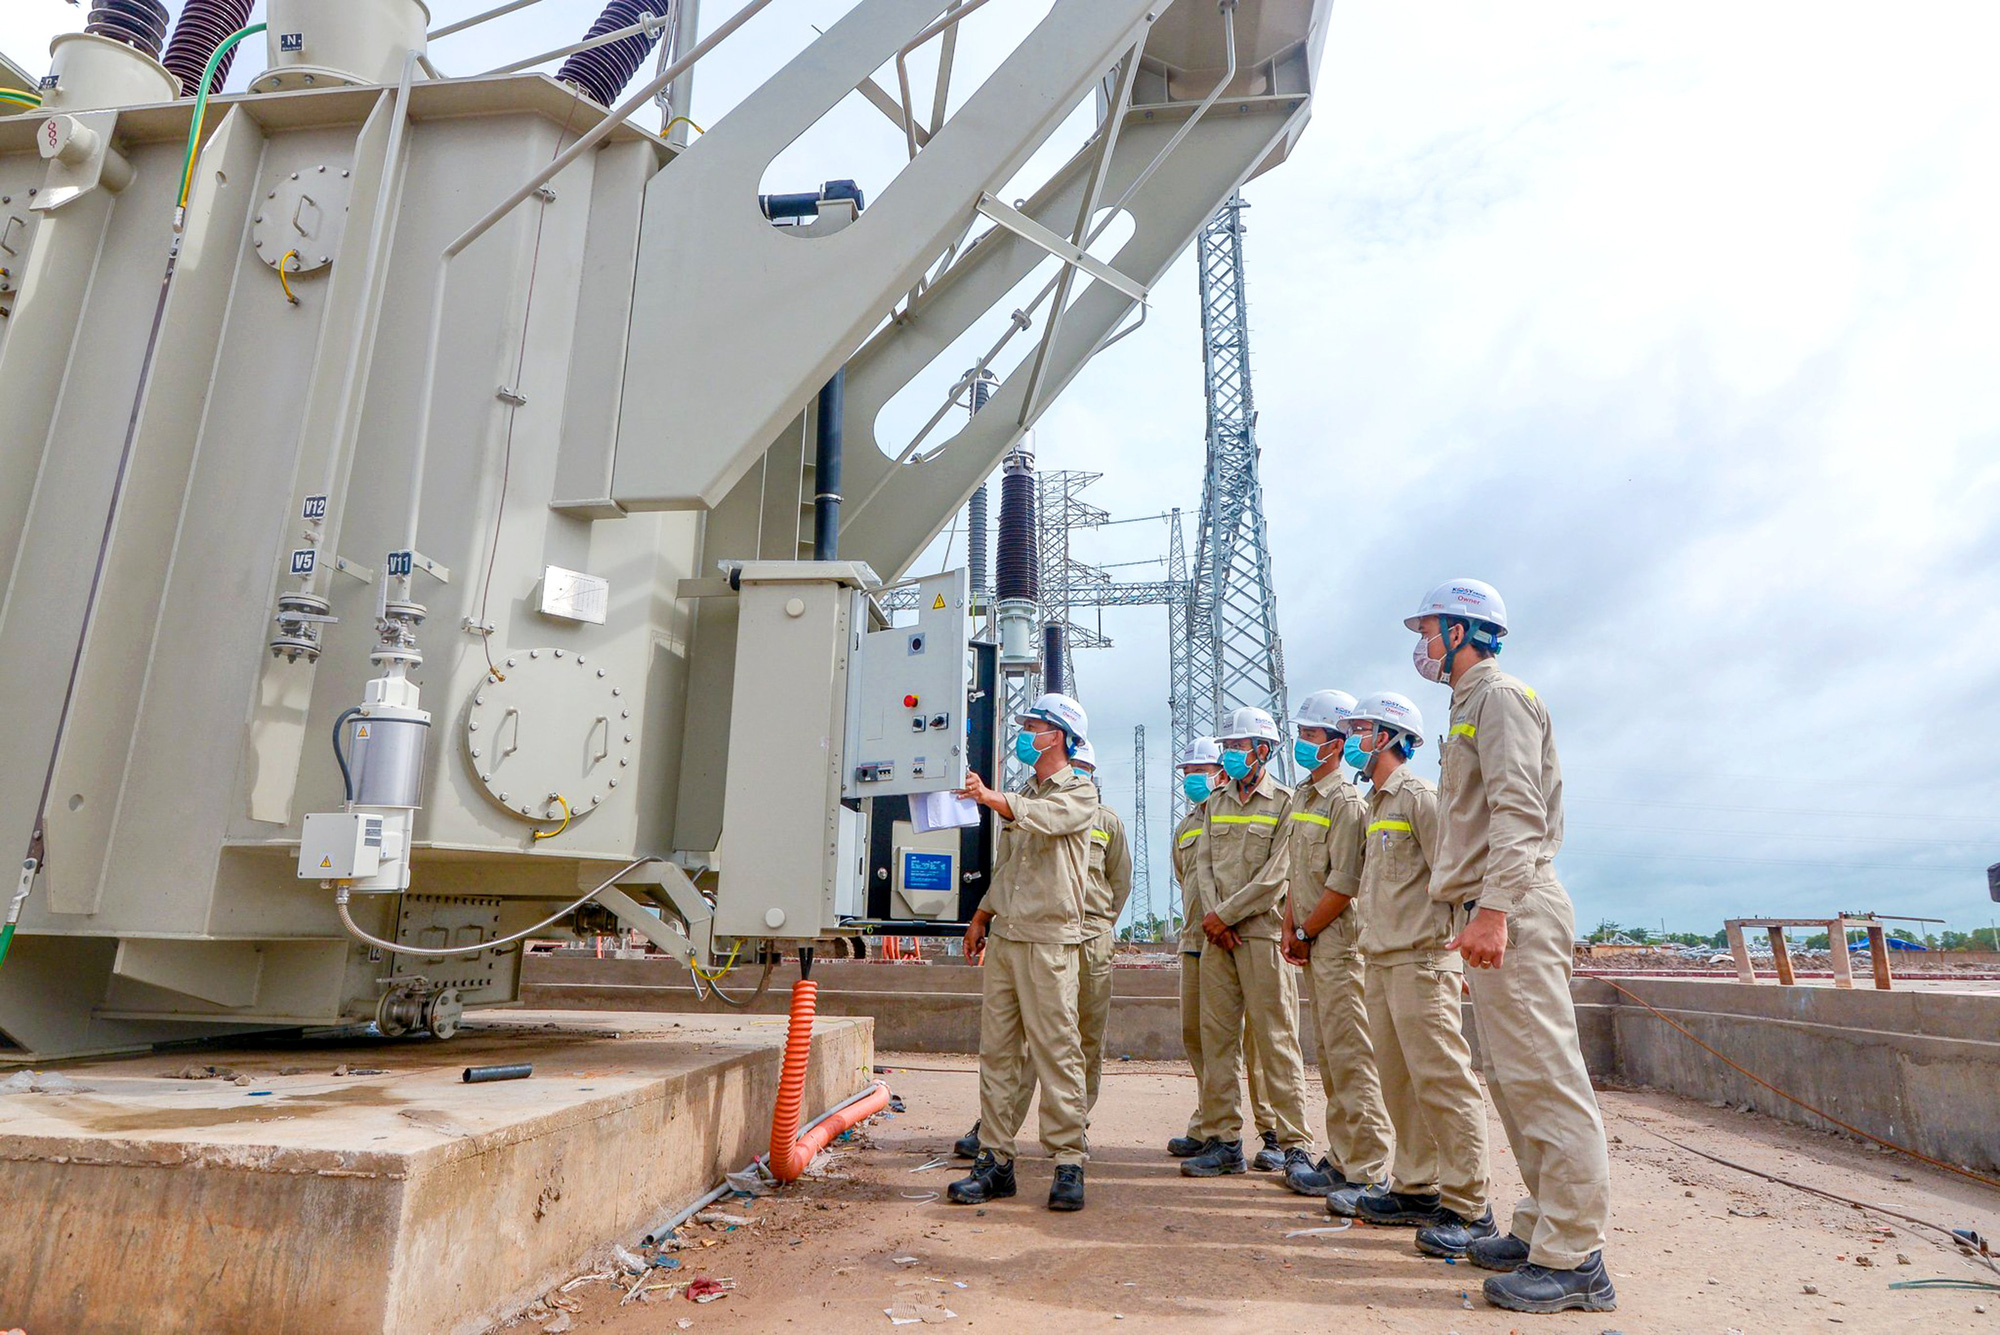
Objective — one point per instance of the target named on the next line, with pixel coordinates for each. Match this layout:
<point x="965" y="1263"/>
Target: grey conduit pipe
<point x="826" y="467"/>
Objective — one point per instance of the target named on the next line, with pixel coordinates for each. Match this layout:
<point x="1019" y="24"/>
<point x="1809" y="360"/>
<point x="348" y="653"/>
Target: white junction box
<point x="340" y="846"/>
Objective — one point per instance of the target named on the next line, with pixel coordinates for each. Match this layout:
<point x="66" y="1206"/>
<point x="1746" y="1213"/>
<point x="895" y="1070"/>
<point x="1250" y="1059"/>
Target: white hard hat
<point x="1248" y="722"/>
<point x="1391" y="711"/>
<point x="1324" y="709"/>
<point x="1085" y="755"/>
<point x="1472" y="599"/>
<point x="1200" y="751"/>
<point x="1062" y="711"/>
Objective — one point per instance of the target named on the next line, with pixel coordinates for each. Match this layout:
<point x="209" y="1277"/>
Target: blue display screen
<point x="927" y="871"/>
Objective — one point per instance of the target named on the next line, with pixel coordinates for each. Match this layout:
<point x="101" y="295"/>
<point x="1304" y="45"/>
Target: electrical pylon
<point x="1232" y="651"/>
<point x="1142" y="851"/>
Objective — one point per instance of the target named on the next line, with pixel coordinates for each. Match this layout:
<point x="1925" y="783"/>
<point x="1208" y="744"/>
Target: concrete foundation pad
<point x="394" y="1198"/>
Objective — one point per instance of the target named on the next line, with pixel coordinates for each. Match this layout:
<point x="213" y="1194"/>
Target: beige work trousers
<point x="1357" y="1125"/>
<point x="1427" y="1083"/>
<point x="1028" y="1033"/>
<point x="1253" y="1065"/>
<point x="1534" y="1069"/>
<point x="1093" y="1011"/>
<point x="1249" y="997"/>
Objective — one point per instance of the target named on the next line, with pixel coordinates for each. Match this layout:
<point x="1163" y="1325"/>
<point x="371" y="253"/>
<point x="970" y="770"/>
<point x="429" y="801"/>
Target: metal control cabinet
<point x="891" y="834"/>
<point x="906" y="727"/>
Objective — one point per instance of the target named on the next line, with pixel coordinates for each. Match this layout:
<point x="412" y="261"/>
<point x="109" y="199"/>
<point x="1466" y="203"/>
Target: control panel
<point x="907" y="698"/>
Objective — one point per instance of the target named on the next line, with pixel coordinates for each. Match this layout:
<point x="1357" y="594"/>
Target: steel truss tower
<point x="1232" y="651"/>
<point x="1142" y="851"/>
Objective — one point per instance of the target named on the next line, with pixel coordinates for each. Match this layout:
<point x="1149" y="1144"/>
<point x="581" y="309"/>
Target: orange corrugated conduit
<point x="791" y="1152"/>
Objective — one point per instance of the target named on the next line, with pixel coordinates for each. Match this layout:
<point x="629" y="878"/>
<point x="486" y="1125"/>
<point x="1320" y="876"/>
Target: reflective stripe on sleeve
<point x="1101" y="836"/>
<point x="1463" y="730"/>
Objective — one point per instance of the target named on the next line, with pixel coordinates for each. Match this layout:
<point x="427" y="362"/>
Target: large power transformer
<point x="453" y="506"/>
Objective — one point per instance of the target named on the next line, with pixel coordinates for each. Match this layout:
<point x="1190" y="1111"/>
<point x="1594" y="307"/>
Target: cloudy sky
<point x="1672" y="323"/>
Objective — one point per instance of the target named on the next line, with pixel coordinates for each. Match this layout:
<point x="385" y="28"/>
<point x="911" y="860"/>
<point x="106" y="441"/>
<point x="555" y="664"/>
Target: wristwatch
<point x="1299" y="933"/>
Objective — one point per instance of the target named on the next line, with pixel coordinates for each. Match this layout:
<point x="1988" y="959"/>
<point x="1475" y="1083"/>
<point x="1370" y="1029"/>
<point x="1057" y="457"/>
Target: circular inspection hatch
<point x="557" y="730"/>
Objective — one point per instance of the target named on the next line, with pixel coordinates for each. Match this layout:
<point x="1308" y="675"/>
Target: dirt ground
<point x="1695" y="1246"/>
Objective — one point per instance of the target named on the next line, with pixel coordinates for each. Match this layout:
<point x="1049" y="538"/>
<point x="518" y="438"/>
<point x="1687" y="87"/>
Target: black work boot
<point x="991" y="1180"/>
<point x="1536" y="1288"/>
<point x="1502" y="1252"/>
<point x="1345" y="1197"/>
<point x="1455" y="1237"/>
<point x="968" y="1144"/>
<point x="1310" y="1179"/>
<point x="1067" y="1191"/>
<point x="1269" y="1159"/>
<point x="1394" y="1207"/>
<point x="1186" y="1147"/>
<point x="1217" y="1157"/>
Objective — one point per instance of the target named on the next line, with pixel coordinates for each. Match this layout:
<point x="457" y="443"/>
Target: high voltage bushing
<point x="603" y="71"/>
<point x="201" y="28"/>
<point x="1017" y="583"/>
<point x="139" y="24"/>
<point x="977" y="522"/>
<point x="1017" y="569"/>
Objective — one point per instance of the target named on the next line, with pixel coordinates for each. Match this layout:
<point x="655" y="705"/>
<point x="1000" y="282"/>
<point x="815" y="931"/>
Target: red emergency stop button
<point x="909" y="702"/>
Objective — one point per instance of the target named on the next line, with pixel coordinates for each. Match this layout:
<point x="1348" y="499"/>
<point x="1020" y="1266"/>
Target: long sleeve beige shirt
<point x="1043" y="864"/>
<point x="1323" y="824"/>
<point x="1501" y="795"/>
<point x="1240" y="862"/>
<point x="1110" y="883"/>
<point x="1400" y="922"/>
<point x="1186" y="836"/>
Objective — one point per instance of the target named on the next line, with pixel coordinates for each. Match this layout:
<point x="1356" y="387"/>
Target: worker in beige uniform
<point x="1240" y="872"/>
<point x="1201" y="774"/>
<point x="1033" y="912"/>
<point x="1109" y="887"/>
<point x="1323" y="825"/>
<point x="1501" y="802"/>
<point x="1414" y="990"/>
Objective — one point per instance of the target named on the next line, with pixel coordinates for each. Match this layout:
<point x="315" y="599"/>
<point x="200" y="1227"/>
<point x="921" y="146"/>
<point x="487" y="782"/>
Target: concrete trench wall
<point x="1918" y="1068"/>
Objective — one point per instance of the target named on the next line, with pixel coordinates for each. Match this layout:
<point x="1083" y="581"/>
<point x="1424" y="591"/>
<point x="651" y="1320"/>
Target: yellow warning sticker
<point x="938" y="606"/>
<point x="326" y="862"/>
<point x="361" y="733"/>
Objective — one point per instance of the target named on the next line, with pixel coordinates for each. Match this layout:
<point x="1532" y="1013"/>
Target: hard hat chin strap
<point x="1476" y="634"/>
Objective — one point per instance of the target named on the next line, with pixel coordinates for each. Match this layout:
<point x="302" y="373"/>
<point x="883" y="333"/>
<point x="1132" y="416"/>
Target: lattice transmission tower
<point x="1142" y="851"/>
<point x="1231" y="654"/>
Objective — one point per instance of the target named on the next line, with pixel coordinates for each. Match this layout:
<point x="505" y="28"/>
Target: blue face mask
<point x="1025" y="749"/>
<point x="1236" y="764"/>
<point x="1306" y="753"/>
<point x="1197" y="787"/>
<point x="1354" y="755"/>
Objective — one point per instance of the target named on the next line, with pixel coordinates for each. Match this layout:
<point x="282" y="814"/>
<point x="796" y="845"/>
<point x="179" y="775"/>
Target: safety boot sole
<point x="1569" y="1302"/>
